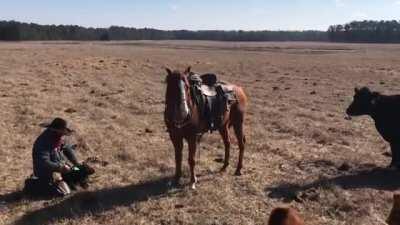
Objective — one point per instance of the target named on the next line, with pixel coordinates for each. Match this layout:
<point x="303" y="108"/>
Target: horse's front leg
<point x="178" y="146"/>
<point x="192" y="153"/>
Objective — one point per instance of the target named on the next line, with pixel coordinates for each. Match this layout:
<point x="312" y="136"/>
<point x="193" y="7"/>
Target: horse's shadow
<point x="373" y="178"/>
<point x="98" y="201"/>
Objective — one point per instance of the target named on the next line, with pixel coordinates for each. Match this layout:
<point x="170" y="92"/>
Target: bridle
<point x="188" y="119"/>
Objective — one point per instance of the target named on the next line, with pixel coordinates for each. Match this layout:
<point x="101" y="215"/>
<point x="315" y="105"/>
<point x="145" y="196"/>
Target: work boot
<point x="63" y="188"/>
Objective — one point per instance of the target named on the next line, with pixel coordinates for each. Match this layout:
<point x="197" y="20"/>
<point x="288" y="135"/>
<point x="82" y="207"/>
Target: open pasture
<point x="300" y="150"/>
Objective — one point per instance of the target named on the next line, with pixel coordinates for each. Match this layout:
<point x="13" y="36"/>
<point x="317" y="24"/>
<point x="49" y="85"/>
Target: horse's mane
<point x="172" y="76"/>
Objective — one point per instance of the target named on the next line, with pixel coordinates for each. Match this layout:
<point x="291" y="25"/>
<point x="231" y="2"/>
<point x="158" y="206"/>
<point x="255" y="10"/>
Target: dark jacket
<point x="47" y="159"/>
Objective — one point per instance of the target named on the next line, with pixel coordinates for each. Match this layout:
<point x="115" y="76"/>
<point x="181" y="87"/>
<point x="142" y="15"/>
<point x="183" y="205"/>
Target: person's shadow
<point x="11" y="198"/>
<point x="374" y="178"/>
<point x="98" y="201"/>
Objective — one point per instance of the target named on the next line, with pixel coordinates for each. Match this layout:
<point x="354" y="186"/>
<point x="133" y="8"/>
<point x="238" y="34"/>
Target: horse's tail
<point x="242" y="102"/>
<point x="241" y="97"/>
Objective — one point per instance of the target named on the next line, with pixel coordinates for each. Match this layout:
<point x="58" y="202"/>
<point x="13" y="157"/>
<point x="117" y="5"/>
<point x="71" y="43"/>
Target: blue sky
<point x="200" y="14"/>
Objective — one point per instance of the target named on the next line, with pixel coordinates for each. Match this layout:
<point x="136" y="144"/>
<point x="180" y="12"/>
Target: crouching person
<point x="55" y="165"/>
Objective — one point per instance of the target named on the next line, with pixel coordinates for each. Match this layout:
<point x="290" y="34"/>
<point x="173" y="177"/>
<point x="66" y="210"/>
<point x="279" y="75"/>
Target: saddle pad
<point x="226" y="88"/>
<point x="229" y="92"/>
<point x="208" y="90"/>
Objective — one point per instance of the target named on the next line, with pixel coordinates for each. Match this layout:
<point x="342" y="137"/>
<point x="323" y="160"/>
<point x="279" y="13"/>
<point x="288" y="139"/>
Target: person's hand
<point x="65" y="169"/>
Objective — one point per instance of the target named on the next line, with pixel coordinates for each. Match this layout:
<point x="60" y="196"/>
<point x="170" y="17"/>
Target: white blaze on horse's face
<point x="183" y="107"/>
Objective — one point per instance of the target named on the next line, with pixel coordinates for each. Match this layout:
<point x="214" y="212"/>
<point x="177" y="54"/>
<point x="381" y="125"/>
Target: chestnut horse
<point x="183" y="122"/>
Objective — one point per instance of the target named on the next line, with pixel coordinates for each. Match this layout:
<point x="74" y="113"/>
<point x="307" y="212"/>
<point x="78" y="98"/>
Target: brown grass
<point x="300" y="150"/>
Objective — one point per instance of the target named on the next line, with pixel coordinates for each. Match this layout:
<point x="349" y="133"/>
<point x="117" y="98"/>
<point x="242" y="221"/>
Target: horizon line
<point x="195" y="30"/>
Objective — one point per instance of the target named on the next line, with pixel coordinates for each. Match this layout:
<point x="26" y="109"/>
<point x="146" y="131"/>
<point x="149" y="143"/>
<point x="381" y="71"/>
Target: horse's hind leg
<point x="238" y="128"/>
<point x="227" y="143"/>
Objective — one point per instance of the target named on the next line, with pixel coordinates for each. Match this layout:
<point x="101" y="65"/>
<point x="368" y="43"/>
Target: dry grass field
<point x="300" y="152"/>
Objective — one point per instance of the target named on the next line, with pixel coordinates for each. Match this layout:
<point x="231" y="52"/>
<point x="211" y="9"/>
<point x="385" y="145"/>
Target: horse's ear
<point x="356" y="90"/>
<point x="168" y="70"/>
<point x="188" y="70"/>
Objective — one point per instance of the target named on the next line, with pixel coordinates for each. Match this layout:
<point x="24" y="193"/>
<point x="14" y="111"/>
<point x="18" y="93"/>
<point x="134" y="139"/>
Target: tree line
<point x="17" y="31"/>
<point x="357" y="31"/>
<point x="367" y="31"/>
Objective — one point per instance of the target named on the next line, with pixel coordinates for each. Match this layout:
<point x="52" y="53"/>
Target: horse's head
<point x="177" y="100"/>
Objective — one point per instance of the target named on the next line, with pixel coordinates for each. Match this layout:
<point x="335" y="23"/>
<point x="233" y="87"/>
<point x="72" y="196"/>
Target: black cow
<point x="385" y="111"/>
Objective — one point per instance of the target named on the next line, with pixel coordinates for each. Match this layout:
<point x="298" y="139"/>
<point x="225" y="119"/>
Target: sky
<point x="201" y="14"/>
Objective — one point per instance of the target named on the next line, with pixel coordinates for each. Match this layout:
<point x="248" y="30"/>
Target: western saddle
<point x="212" y="97"/>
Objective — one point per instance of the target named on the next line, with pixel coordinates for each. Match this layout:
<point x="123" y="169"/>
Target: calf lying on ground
<point x="385" y="111"/>
<point x="79" y="175"/>
<point x="285" y="216"/>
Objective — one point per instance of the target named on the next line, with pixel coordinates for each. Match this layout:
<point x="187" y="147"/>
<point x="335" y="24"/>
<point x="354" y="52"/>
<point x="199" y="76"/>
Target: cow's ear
<point x="168" y="70"/>
<point x="375" y="98"/>
<point x="188" y="70"/>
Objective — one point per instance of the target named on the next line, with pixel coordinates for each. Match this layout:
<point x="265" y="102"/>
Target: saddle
<point x="208" y="85"/>
<point x="212" y="97"/>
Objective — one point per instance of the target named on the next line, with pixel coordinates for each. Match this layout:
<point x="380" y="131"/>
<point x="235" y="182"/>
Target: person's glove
<point x="65" y="169"/>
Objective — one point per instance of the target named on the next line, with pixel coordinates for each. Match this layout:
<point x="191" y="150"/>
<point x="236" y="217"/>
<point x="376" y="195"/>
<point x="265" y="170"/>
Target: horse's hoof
<point x="193" y="183"/>
<point x="223" y="169"/>
<point x="238" y="173"/>
<point x="176" y="182"/>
